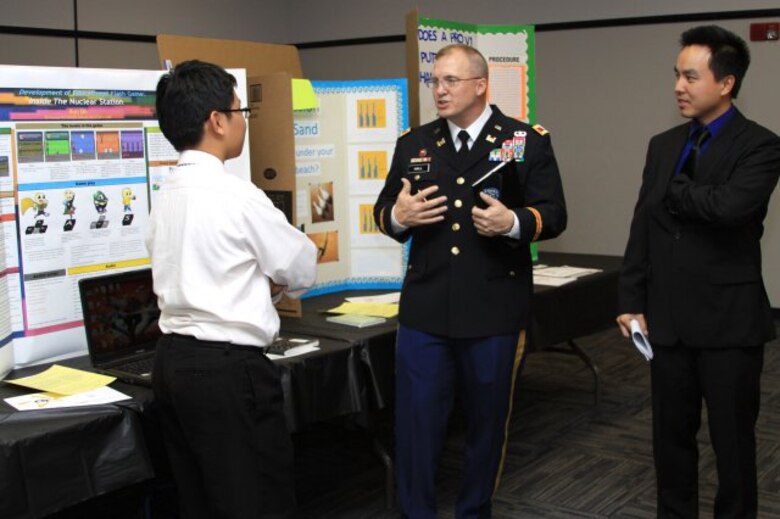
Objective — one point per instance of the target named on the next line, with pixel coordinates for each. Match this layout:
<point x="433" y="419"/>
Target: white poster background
<point x="56" y="299"/>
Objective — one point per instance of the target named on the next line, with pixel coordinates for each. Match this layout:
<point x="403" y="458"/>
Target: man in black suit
<point x="468" y="286"/>
<point x="691" y="277"/>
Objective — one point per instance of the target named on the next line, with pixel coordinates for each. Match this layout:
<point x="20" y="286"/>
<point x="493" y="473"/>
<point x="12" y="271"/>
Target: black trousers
<point x="221" y="410"/>
<point x="728" y="380"/>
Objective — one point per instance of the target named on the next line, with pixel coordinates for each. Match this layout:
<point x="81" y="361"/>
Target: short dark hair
<point x="187" y="95"/>
<point x="730" y="54"/>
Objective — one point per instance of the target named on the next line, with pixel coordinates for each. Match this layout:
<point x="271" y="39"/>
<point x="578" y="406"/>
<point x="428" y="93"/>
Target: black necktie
<point x="698" y="137"/>
<point x="463" y="137"/>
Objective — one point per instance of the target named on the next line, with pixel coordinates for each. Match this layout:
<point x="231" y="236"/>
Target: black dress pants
<point x="221" y="410"/>
<point x="728" y="379"/>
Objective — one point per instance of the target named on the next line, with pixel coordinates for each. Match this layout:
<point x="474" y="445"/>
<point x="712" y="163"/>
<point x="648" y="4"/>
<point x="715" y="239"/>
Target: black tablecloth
<point x="53" y="458"/>
<point x="372" y="345"/>
<point x="559" y="314"/>
<point x="584" y="307"/>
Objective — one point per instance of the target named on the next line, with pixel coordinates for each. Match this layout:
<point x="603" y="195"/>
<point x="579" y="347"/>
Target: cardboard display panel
<point x="413" y="67"/>
<point x="272" y="151"/>
<point x="256" y="58"/>
<point x="271" y="143"/>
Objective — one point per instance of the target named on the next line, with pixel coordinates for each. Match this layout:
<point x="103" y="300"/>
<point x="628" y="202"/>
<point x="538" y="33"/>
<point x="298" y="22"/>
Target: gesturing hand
<point x="412" y="210"/>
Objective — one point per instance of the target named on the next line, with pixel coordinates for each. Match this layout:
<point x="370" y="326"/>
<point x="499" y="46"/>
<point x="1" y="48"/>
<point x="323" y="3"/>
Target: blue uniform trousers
<point x="427" y="369"/>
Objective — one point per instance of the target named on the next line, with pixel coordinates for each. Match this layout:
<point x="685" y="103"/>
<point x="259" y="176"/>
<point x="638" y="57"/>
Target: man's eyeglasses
<point x="246" y="111"/>
<point x="447" y="82"/>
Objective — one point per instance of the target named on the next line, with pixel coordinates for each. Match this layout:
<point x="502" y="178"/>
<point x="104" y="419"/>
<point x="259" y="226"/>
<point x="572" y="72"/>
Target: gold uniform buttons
<point x="417" y="177"/>
<point x="456" y="227"/>
<point x="512" y="273"/>
<point x="460" y="181"/>
<point x="455" y="251"/>
<point x="458" y="204"/>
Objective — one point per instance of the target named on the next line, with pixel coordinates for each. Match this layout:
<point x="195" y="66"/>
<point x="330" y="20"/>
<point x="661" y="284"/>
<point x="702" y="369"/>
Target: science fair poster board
<point x="81" y="156"/>
<point x="508" y="49"/>
<point x="343" y="150"/>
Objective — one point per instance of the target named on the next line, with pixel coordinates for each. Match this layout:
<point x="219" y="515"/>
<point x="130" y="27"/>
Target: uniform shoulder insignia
<point x="405" y="132"/>
<point x="540" y="129"/>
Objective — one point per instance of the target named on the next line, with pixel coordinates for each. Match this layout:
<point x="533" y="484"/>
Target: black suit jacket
<point x="693" y="260"/>
<point x="459" y="284"/>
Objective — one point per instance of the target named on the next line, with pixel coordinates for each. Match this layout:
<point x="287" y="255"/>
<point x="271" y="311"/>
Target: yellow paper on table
<point x="64" y="381"/>
<point x="377" y="309"/>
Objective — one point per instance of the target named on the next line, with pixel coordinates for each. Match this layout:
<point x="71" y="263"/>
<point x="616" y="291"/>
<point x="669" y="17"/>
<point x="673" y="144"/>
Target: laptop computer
<point x="120" y="321"/>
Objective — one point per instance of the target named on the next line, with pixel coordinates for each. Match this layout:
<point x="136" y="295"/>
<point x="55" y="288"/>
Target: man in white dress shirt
<point x="221" y="252"/>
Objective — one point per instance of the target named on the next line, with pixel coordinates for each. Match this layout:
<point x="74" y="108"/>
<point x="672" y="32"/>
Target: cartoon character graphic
<point x="67" y="202"/>
<point x="100" y="200"/>
<point x="40" y="203"/>
<point x="127" y="197"/>
<point x="69" y="209"/>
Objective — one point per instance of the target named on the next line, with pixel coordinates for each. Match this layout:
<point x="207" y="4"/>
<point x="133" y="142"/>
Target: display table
<point x="52" y="459"/>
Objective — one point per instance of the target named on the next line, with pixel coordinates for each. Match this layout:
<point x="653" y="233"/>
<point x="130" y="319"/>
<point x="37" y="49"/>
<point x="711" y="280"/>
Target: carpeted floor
<point x="566" y="457"/>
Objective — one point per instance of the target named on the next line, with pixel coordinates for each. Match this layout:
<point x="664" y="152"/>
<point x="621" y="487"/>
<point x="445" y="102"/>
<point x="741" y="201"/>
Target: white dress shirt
<point x="473" y="130"/>
<point x="216" y="241"/>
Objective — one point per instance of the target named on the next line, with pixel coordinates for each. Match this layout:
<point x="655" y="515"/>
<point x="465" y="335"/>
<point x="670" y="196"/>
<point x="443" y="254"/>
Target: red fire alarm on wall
<point x="764" y="31"/>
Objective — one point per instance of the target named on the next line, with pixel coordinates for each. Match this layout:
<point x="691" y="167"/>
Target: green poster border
<point x="528" y="30"/>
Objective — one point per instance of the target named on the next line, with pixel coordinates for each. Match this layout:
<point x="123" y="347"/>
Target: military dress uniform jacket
<point x="459" y="284"/>
<point x="693" y="260"/>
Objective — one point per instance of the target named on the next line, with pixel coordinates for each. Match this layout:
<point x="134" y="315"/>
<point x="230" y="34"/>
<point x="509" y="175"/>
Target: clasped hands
<point x="412" y="210"/>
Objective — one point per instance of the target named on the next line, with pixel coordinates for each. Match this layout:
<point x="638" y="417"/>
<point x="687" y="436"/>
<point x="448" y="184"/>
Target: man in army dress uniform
<point x="466" y="297"/>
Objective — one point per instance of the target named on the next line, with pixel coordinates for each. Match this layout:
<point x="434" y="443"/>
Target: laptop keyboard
<point x="139" y="367"/>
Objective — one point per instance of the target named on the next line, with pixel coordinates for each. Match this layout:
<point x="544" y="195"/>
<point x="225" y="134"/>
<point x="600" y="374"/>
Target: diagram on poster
<point x="343" y="150"/>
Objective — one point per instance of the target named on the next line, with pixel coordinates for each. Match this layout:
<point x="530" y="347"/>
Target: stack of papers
<point x="362" y="311"/>
<point x="356" y="320"/>
<point x="373" y="309"/>
<point x="559" y="276"/>
<point x="385" y="299"/>
<point x="34" y="401"/>
<point x="65" y="387"/>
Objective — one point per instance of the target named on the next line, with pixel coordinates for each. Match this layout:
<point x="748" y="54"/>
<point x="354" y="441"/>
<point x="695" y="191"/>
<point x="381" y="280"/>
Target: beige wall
<point x="601" y="92"/>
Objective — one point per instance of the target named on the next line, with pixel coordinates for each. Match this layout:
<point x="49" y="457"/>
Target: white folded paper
<point x="35" y="401"/>
<point x="640" y="340"/>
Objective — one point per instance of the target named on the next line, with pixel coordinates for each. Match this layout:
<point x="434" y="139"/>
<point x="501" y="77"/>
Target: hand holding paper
<point x="640" y="340"/>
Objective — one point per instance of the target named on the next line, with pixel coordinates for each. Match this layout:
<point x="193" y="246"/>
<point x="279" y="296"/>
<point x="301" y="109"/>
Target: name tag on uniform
<point x="419" y="168"/>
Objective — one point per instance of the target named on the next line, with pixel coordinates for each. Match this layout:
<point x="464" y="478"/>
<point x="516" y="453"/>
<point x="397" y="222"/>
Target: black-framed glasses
<point x="246" y="111"/>
<point x="448" y="81"/>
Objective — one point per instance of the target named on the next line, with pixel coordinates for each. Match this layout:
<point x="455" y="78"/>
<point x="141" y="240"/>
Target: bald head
<point x="478" y="66"/>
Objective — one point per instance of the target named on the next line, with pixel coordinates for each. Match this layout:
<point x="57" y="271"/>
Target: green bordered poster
<point x="509" y="51"/>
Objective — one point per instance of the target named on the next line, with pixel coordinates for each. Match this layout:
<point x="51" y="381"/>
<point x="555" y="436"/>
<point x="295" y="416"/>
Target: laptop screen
<point x="120" y="315"/>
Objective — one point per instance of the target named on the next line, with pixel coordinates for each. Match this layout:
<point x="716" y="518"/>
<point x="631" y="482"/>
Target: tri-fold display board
<point x="81" y="158"/>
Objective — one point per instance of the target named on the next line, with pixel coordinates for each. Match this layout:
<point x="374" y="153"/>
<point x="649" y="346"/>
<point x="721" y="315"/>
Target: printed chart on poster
<point x="80" y="155"/>
<point x="343" y="150"/>
<point x="509" y="51"/>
